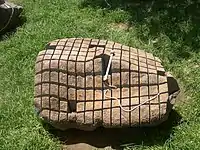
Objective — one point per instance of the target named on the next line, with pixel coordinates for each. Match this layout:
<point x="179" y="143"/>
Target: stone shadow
<point x="119" y="138"/>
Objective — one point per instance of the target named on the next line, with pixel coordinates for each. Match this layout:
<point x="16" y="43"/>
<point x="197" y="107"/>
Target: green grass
<point x="170" y="30"/>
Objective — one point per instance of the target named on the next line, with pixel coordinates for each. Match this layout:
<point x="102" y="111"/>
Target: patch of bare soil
<point x="83" y="146"/>
<point x="119" y="26"/>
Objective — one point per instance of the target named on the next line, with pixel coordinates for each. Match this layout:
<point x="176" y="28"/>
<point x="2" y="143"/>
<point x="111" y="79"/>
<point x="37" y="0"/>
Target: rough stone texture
<point x="69" y="88"/>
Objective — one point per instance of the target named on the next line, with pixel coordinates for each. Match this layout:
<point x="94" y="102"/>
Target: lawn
<point x="168" y="29"/>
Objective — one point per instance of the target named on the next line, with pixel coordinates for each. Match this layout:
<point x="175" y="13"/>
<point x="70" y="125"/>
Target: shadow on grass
<point x="178" y="20"/>
<point x="119" y="138"/>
